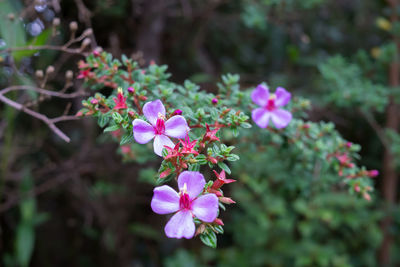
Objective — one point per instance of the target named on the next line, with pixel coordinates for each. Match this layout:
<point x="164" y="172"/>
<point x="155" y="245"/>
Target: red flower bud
<point x="226" y="200"/>
<point x="218" y="221"/>
<point x="165" y="173"/>
<point x="212" y="160"/>
<point x="143" y="98"/>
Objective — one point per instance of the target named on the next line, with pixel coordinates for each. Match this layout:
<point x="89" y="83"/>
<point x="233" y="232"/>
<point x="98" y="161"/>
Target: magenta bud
<point x="96" y="53"/>
<point x="373" y="173"/>
<point x="131" y="90"/>
<point x="348" y="144"/>
<point x="214" y="101"/>
<point x="178" y="112"/>
<point x="94" y="101"/>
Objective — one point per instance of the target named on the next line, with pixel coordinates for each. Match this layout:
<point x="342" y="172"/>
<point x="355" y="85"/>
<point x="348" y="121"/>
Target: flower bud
<point x="131" y="90"/>
<point x="200" y="229"/>
<point x="214" y="101"/>
<point x="73" y="26"/>
<point x="94" y="101"/>
<point x="178" y="112"/>
<point x="165" y="173"/>
<point x="69" y="75"/>
<point x="213" y="160"/>
<point x="143" y="97"/>
<point x="367" y="196"/>
<point x="218" y="221"/>
<point x="50" y="69"/>
<point x="373" y="173"/>
<point x="56" y="22"/>
<point x="357" y="188"/>
<point x="226" y="200"/>
<point x="39" y="74"/>
<point x="131" y="114"/>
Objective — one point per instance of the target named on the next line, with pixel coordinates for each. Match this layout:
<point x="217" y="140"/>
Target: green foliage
<point x="348" y="88"/>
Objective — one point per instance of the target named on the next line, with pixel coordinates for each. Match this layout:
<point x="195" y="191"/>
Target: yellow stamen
<point x="272" y="96"/>
<point x="161" y="116"/>
<point x="184" y="189"/>
<point x="119" y="90"/>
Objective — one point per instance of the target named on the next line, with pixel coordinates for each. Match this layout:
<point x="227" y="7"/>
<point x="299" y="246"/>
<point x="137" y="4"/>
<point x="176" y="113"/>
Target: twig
<point x="50" y="122"/>
<point x="377" y="128"/>
<point x="76" y="51"/>
<point x="40" y="90"/>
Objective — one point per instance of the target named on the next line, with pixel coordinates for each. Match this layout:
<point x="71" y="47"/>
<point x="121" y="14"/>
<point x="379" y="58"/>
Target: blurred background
<point x="84" y="203"/>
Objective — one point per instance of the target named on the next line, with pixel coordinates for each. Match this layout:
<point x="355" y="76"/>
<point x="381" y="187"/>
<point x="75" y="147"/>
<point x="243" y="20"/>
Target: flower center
<point x="271" y="103"/>
<point x="184" y="200"/>
<point x="160" y="126"/>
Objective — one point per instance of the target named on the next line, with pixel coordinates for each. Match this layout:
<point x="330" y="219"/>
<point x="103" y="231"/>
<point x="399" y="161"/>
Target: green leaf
<point x="225" y="167"/>
<point x="126" y="138"/>
<point x="117" y="117"/>
<point x="103" y="120"/>
<point x="25" y="240"/>
<point x="39" y="40"/>
<point x="209" y="239"/>
<point x="111" y="128"/>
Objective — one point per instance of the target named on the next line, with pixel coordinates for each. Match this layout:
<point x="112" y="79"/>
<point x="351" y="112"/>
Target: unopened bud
<point x="69" y="75"/>
<point x="131" y="90"/>
<point x="214" y="101"/>
<point x="143" y="97"/>
<point x="226" y="200"/>
<point x="218" y="221"/>
<point x="56" y="22"/>
<point x="73" y="26"/>
<point x="94" y="101"/>
<point x="178" y="112"/>
<point x="39" y="74"/>
<point x="200" y="229"/>
<point x="131" y="114"/>
<point x="373" y="173"/>
<point x="213" y="160"/>
<point x="367" y="196"/>
<point x="165" y="173"/>
<point x="50" y="69"/>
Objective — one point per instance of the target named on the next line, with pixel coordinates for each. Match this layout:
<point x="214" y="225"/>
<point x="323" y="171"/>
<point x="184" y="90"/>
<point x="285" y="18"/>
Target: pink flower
<point x="270" y="107"/>
<point x="187" y="146"/>
<point x="158" y="128"/>
<point x="221" y="180"/>
<point x="186" y="204"/>
<point x="120" y="100"/>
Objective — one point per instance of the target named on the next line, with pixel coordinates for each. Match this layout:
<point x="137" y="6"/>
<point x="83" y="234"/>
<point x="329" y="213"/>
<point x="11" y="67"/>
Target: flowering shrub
<point x="193" y="131"/>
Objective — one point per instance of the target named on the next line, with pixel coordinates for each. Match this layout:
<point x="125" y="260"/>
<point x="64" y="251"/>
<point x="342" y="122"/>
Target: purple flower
<point x="158" y="128"/>
<point x="270" y="107"/>
<point x="187" y="204"/>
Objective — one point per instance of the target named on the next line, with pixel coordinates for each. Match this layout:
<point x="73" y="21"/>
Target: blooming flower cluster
<point x="186" y="132"/>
